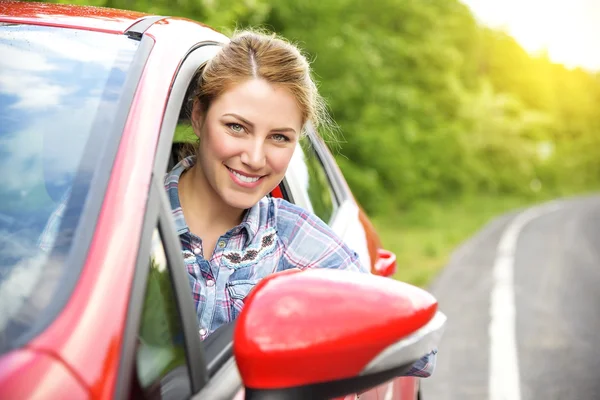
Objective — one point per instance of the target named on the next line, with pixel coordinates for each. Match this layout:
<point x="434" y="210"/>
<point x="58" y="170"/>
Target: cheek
<point x="279" y="159"/>
<point x="219" y="145"/>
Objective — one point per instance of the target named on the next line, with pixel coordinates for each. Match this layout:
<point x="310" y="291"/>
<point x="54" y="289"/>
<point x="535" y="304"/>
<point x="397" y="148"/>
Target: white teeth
<point x="244" y="178"/>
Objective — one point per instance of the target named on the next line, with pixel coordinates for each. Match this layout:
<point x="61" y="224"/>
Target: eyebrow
<point x="251" y="125"/>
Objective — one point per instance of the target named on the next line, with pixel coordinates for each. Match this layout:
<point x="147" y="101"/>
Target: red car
<point x="92" y="106"/>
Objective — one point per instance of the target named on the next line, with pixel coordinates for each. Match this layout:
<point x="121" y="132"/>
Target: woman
<point x="253" y="100"/>
<point x="251" y="105"/>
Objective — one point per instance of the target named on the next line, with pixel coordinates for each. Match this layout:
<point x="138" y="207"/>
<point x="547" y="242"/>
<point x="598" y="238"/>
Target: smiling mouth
<point x="244" y="178"/>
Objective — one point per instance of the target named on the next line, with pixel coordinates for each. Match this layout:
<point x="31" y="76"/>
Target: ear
<point x="198" y="117"/>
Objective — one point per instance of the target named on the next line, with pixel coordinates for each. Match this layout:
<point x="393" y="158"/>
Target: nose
<point x="254" y="155"/>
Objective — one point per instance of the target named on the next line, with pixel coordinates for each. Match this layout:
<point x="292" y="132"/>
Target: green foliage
<point x="432" y="106"/>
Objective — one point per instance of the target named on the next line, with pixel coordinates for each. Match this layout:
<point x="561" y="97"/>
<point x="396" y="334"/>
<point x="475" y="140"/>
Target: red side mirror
<point x="321" y="325"/>
<point x="386" y="263"/>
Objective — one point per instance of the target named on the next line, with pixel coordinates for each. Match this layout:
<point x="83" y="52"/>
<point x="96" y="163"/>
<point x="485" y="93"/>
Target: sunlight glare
<point x="569" y="31"/>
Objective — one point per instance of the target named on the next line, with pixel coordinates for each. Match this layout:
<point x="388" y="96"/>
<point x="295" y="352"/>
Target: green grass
<point x="424" y="237"/>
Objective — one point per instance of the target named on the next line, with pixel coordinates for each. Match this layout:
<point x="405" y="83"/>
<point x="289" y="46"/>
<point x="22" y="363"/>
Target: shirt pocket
<point x="237" y="292"/>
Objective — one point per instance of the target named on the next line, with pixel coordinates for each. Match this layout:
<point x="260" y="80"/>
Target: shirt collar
<point x="250" y="222"/>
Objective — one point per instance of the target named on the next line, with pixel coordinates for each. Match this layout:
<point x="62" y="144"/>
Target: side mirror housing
<point x="327" y="333"/>
<point x="386" y="263"/>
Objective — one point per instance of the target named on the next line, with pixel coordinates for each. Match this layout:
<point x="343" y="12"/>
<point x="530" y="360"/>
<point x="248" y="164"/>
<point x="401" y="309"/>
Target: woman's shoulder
<point x="290" y="218"/>
<point x="310" y="242"/>
<point x="285" y="212"/>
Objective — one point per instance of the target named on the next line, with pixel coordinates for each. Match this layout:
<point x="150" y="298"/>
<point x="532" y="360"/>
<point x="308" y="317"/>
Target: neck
<point x="203" y="209"/>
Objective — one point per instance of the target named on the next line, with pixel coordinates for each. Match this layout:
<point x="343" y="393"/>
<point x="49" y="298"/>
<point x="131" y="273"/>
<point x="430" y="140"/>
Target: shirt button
<point x="210" y="283"/>
<point x="197" y="251"/>
<point x="221" y="244"/>
<point x="202" y="332"/>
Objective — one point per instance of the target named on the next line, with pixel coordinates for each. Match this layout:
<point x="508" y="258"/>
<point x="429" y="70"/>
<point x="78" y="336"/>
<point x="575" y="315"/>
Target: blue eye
<point x="280" y="138"/>
<point x="237" y="128"/>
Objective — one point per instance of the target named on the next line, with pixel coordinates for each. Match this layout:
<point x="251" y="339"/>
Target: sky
<point x="569" y="30"/>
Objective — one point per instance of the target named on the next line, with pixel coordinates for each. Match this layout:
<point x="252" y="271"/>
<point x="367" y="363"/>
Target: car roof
<point x="69" y="16"/>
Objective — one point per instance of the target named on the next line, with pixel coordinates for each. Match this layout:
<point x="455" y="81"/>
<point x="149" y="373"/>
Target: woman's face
<point x="247" y="139"/>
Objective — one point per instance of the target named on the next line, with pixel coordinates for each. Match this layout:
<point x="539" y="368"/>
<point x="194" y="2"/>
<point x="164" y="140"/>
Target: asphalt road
<point x="553" y="327"/>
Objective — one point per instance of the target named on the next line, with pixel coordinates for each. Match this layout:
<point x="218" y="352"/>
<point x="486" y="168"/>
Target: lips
<point x="243" y="179"/>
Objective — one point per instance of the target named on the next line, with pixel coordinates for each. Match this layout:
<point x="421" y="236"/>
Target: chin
<point x="241" y="201"/>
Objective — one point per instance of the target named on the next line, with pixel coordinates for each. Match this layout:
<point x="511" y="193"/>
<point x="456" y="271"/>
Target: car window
<point x="57" y="86"/>
<point x="318" y="186"/>
<point x="160" y="352"/>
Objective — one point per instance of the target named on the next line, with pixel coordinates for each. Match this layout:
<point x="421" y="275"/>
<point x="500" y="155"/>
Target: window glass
<point x="160" y="355"/>
<point x="319" y="189"/>
<point x="56" y="86"/>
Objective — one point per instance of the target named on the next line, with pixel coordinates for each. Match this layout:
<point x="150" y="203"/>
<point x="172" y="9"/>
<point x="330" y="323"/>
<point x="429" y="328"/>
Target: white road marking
<point x="504" y="381"/>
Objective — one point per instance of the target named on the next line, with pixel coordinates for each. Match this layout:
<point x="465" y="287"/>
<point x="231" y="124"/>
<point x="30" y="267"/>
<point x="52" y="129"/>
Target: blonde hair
<point x="257" y="55"/>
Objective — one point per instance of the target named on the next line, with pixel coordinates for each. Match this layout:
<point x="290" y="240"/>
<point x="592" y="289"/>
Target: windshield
<point x="57" y="86"/>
